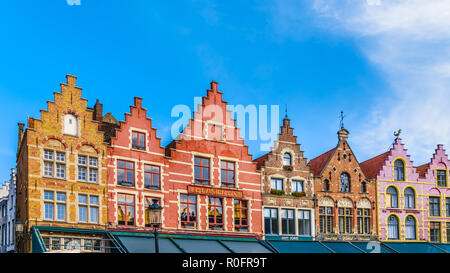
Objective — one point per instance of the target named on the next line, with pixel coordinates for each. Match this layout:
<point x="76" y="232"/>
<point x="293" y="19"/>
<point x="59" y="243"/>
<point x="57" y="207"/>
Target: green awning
<point x="414" y="247"/>
<point x="246" y="247"/>
<point x="201" y="246"/>
<point x="342" y="247"/>
<point x="372" y="247"/>
<point x="299" y="247"/>
<point x="445" y="247"/>
<point x="147" y="244"/>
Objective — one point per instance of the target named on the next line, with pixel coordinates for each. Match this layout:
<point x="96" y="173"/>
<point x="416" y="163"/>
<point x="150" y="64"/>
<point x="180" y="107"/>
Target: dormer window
<point x="70" y="125"/>
<point x="287" y="159"/>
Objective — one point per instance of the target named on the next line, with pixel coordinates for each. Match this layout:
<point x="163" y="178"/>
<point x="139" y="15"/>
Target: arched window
<point x="409" y="199"/>
<point x="399" y="170"/>
<point x="287" y="159"/>
<point x="345" y="182"/>
<point x="363" y="187"/>
<point x="326" y="185"/>
<point x="410" y="226"/>
<point x="70" y="125"/>
<point x="393" y="228"/>
<point x="392" y="192"/>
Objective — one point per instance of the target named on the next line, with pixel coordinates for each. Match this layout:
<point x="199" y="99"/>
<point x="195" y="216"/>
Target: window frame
<point x="438" y="182"/>
<point x="227" y="170"/>
<point x="202" y="179"/>
<point x="271" y="221"/>
<point x="432" y="206"/>
<point x="240" y="207"/>
<point x="326" y="219"/>
<point x="126" y="205"/>
<point x="125" y="169"/>
<point x="152" y="176"/>
<point x="139" y="145"/>
<point x="55" y="163"/>
<point x="188" y="223"/>
<point x="55" y="203"/>
<point x="304" y="224"/>
<point x="215" y="224"/>
<point x="89" y="206"/>
<point x="399" y="171"/>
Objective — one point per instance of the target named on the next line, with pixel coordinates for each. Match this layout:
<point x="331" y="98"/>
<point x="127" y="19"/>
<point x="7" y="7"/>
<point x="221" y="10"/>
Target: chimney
<point x="19" y="141"/>
<point x="98" y="111"/>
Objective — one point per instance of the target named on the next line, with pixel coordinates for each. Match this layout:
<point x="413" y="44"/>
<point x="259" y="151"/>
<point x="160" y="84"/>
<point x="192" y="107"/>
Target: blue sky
<point x="319" y="57"/>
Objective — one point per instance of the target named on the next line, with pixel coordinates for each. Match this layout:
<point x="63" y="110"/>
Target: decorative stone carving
<point x="345" y="203"/>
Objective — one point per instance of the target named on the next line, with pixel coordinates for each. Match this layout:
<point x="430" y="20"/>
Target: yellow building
<point x="61" y="177"/>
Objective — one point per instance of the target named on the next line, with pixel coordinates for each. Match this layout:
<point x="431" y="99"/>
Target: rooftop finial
<point x="285" y="115"/>
<point x="341" y="122"/>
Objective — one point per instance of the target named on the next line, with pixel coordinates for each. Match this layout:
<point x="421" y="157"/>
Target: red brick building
<point x="136" y="171"/>
<point x="346" y="200"/>
<point x="214" y="187"/>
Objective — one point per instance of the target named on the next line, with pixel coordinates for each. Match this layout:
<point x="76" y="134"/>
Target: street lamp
<point x="155" y="220"/>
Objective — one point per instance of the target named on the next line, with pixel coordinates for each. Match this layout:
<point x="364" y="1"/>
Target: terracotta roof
<point x="372" y="166"/>
<point x="318" y="163"/>
<point x="260" y="160"/>
<point x="422" y="169"/>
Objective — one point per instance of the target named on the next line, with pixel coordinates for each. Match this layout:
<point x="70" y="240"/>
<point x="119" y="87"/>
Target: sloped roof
<point x="260" y="160"/>
<point x="422" y="169"/>
<point x="318" y="163"/>
<point x="372" y="166"/>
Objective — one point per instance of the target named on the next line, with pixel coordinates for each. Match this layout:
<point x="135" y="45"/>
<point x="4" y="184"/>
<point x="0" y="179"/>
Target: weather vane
<point x="342" y="119"/>
<point x="285" y="116"/>
<point x="398" y="133"/>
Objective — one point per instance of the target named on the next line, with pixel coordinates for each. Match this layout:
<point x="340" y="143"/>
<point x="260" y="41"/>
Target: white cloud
<point x="409" y="42"/>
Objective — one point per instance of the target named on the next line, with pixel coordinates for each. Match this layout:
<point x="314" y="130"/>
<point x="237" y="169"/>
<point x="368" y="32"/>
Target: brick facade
<point x="273" y="166"/>
<point x="144" y="157"/>
<point x="211" y="136"/>
<point x="349" y="199"/>
<point x="53" y="140"/>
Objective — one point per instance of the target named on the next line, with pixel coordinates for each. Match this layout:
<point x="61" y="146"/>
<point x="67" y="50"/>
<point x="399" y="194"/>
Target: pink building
<point x="401" y="201"/>
<point x="436" y="196"/>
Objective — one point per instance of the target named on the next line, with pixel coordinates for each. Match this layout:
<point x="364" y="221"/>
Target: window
<point x="287" y="159"/>
<point x="287" y="221"/>
<point x="125" y="173"/>
<point x="87" y="168"/>
<point x="447" y="208"/>
<point x="138" y="141"/>
<point x="70" y="125"/>
<point x="345" y="182"/>
<point x="215" y="213"/>
<point x="410" y="228"/>
<point x="297" y="186"/>
<point x="448" y="232"/>
<point x="409" y="199"/>
<point x="399" y="170"/>
<point x="392" y="197"/>
<point x="125" y="208"/>
<point x="393" y="228"/>
<point x="54" y="164"/>
<point x="188" y="211"/>
<point x="50" y="204"/>
<point x="363" y="219"/>
<point x="434" y="206"/>
<point x="201" y="170"/>
<point x="326" y="185"/>
<point x="345" y="220"/>
<point x="276" y="184"/>
<point x="88" y="208"/>
<point x="148" y="202"/>
<point x="240" y="215"/>
<point x="304" y="222"/>
<point x="363" y="187"/>
<point x="435" y="232"/>
<point x="227" y="174"/>
<point x="441" y="178"/>
<point x="152" y="177"/>
<point x="271" y="221"/>
<point x="326" y="219"/>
